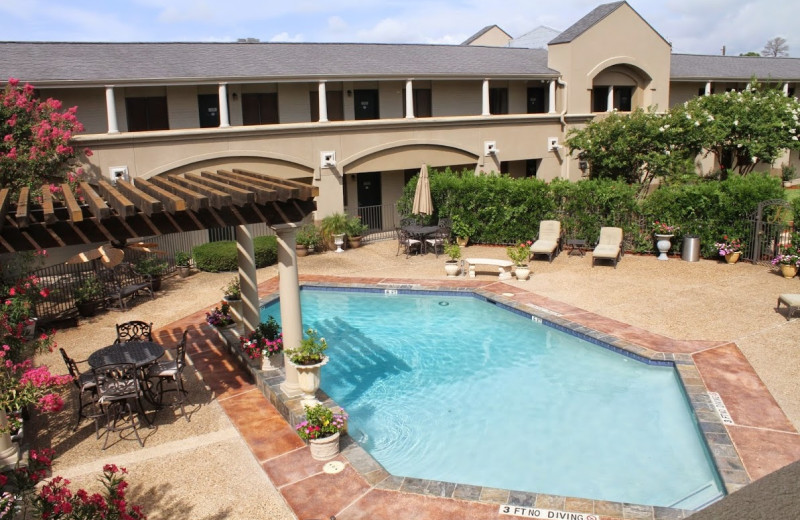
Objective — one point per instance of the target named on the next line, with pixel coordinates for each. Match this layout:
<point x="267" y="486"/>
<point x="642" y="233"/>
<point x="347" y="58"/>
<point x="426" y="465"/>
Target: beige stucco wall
<point x="453" y="98"/>
<point x="622" y="38"/>
<point x="494" y="37"/>
<point x="91" y="105"/>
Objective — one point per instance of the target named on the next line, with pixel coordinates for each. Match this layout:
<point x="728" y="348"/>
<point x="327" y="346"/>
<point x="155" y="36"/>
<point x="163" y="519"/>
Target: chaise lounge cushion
<point x="609" y="245"/>
<point x="549" y="239"/>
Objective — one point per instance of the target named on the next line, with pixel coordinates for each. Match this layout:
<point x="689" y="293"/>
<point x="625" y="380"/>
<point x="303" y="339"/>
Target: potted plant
<point x="730" y="249"/>
<point x="788" y="174"/>
<point x="308" y="359"/>
<point x="183" y="263"/>
<point x="453" y="252"/>
<point x="788" y="261"/>
<point x="152" y="268"/>
<point x="220" y="317"/>
<point x="519" y="254"/>
<point x="461" y="230"/>
<point x="321" y="428"/>
<point x="307" y="239"/>
<point x="264" y="343"/>
<point x="664" y="233"/>
<point x="333" y="229"/>
<point x="232" y="295"/>
<point x="87" y="296"/>
<point x="355" y="230"/>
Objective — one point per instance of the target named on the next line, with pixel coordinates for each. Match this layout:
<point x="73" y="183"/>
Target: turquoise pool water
<point x="455" y="389"/>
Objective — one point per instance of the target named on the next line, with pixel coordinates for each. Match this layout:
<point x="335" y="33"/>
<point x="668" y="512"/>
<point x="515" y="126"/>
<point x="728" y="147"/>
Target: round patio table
<point x="140" y="353"/>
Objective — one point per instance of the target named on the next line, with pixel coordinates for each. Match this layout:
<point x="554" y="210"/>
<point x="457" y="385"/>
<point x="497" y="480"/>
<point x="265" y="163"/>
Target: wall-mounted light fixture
<point x="490" y="148"/>
<point x="118" y="173"/>
<point x="349" y="93"/>
<point x="327" y="159"/>
<point x="583" y="165"/>
<point x="235" y="96"/>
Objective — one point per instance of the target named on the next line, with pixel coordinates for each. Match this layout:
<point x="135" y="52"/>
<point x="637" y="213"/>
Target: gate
<point x="771" y="229"/>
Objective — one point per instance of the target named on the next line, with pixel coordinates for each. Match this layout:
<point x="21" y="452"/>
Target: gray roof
<point x="586" y="23"/>
<point x="535" y="39"/>
<point x="740" y="68"/>
<point x="100" y="63"/>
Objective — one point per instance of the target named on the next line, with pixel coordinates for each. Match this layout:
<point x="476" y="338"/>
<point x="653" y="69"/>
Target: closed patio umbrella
<point x="109" y="256"/>
<point x="423" y="204"/>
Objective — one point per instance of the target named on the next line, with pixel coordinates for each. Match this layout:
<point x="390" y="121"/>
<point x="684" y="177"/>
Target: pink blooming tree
<point x="36" y="140"/>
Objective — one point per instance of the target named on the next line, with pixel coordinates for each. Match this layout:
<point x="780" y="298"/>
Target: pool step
<point x="682" y="503"/>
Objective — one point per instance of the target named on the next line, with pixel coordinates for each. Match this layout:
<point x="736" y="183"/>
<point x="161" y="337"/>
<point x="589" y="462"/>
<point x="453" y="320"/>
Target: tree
<point x="751" y="53"/>
<point x="775" y="48"/>
<point x="742" y="129"/>
<point x="636" y="147"/>
<point x="35" y="135"/>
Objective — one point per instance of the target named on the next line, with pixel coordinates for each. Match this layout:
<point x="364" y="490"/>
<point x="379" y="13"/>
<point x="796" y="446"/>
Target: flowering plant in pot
<point x="308" y="238"/>
<point x="788" y="261"/>
<point x="355" y="229"/>
<point x="232" y="290"/>
<point x="183" y="263"/>
<point x="220" y="316"/>
<point x="662" y="228"/>
<point x="307" y="360"/>
<point x="729" y="245"/>
<point x="453" y="252"/>
<point x="265" y="341"/>
<point x="321" y="428"/>
<point x="519" y="253"/>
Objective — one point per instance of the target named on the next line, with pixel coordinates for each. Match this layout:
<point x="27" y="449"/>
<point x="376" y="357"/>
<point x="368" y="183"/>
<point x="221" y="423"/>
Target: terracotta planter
<point x="462" y="241"/>
<point x="788" y="271"/>
<point x="354" y="242"/>
<point x="301" y="250"/>
<point x="184" y="271"/>
<point x="732" y="258"/>
<point x="325" y="448"/>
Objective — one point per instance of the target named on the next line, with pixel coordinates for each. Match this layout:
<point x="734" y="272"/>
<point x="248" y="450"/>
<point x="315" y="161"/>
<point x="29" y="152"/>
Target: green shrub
<point x="221" y="256"/>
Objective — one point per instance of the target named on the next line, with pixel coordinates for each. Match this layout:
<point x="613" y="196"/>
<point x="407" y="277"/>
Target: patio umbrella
<point x="109" y="256"/>
<point x="423" y="204"/>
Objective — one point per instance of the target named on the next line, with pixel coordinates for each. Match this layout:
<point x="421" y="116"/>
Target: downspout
<point x="563" y="110"/>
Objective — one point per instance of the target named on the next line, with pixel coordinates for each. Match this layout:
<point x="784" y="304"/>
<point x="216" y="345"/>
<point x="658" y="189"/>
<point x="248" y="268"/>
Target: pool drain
<point x="333" y="467"/>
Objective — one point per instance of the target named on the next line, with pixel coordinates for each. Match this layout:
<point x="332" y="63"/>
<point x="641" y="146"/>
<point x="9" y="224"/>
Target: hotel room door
<point x="369" y="194"/>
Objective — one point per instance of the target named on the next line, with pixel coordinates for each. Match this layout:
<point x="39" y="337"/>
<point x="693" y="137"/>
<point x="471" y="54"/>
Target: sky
<point x="692" y="26"/>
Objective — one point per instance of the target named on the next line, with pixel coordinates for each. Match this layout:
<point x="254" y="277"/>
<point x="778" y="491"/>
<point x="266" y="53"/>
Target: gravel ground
<point x="186" y="469"/>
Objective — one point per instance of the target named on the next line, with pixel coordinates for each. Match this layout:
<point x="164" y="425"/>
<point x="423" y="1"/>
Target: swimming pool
<point x="455" y="389"/>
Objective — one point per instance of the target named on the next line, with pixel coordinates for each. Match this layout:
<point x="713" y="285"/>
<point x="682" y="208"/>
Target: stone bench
<point x="503" y="266"/>
<point x="792" y="301"/>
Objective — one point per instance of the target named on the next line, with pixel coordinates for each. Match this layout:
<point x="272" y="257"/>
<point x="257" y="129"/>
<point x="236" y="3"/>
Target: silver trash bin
<point x="691" y="248"/>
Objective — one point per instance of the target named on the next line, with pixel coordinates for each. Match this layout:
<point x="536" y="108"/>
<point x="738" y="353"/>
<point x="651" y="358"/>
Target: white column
<point x="224" y="121"/>
<point x="246" y="256"/>
<point x="610" y="100"/>
<point x="289" y="287"/>
<point x="323" y="103"/>
<point x="552" y="97"/>
<point x="786" y="89"/>
<point x="409" y="99"/>
<point x="485" y="98"/>
<point x="708" y="89"/>
<point x="111" y="110"/>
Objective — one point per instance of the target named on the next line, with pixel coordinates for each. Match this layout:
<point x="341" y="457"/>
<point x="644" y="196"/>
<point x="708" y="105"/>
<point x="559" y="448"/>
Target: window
<point x="623" y="97"/>
<point x="531" y="167"/>
<point x="147" y="113"/>
<point x="498" y="101"/>
<point x="536" y="100"/>
<point x="600" y="99"/>
<point x="333" y="100"/>
<point x="260" y="109"/>
<point x="422" y="102"/>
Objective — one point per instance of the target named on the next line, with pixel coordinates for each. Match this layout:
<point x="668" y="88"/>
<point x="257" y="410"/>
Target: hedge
<point x="221" y="256"/>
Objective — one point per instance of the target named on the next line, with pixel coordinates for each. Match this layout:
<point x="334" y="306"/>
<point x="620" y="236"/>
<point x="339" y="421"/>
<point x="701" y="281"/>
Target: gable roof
<point x="741" y="68"/>
<point x="593" y="18"/>
<point x="483" y="31"/>
<point x="535" y="39"/>
<point x="126" y="63"/>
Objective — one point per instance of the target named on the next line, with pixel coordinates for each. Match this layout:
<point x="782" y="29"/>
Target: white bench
<point x="503" y="266"/>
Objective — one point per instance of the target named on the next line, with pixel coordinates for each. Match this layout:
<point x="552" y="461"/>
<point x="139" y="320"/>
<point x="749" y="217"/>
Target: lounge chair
<point x="549" y="240"/>
<point x="609" y="245"/>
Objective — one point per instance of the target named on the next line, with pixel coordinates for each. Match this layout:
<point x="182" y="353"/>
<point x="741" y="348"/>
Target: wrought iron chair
<point x="134" y="331"/>
<point x="86" y="384"/>
<point x="437" y="240"/>
<point x="118" y="388"/>
<point x="405" y="242"/>
<point x="171" y="372"/>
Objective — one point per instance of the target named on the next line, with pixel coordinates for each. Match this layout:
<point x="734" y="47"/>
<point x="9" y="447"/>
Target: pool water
<point x="456" y="389"/>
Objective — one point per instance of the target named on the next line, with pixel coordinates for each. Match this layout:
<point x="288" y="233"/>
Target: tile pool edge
<point x="718" y="443"/>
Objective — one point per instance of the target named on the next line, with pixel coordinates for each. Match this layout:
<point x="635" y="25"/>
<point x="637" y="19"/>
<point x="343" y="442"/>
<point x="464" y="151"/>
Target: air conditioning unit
<point x="552" y="144"/>
<point x="118" y="173"/>
<point x="327" y="159"/>
<point x="490" y="148"/>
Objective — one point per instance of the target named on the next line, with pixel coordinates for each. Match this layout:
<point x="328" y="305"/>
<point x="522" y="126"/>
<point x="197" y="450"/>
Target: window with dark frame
<point x="147" y="113"/>
<point x="260" y="109"/>
<point x="600" y="99"/>
<point x="334" y="102"/>
<point x="498" y="100"/>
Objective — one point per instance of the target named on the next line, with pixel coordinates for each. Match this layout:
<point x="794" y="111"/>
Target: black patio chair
<point x="134" y="330"/>
<point x="120" y="392"/>
<point x="406" y="243"/>
<point x="171" y="372"/>
<point x="86" y="384"/>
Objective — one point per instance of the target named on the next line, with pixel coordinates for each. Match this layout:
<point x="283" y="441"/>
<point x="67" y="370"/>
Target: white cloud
<point x="284" y="37"/>
<point x="337" y="25"/>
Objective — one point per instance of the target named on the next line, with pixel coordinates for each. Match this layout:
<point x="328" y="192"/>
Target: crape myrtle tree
<point x="35" y="140"/>
<point x="742" y="129"/>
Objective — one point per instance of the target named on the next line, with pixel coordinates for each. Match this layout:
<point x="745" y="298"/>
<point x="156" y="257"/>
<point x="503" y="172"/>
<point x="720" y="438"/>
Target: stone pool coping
<point x="724" y="452"/>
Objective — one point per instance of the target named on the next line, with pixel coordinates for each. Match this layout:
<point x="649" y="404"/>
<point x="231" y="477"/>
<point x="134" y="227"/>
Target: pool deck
<point x="762" y="436"/>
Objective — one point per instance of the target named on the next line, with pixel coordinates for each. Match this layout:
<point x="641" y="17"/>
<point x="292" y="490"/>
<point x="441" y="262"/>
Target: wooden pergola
<point x="155" y="206"/>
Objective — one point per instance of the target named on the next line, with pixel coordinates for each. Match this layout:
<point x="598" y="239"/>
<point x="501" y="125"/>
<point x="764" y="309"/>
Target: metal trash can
<point x="691" y="248"/>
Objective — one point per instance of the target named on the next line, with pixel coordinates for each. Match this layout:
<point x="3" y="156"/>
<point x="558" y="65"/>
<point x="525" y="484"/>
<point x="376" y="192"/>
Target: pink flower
<point x="13" y="82"/>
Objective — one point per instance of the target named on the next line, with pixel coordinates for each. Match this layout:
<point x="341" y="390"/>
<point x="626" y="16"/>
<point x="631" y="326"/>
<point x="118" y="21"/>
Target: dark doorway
<point x="260" y="109"/>
<point x="366" y="104"/>
<point x="498" y="101"/>
<point x="536" y="100"/>
<point x="147" y="113"/>
<point x="333" y="101"/>
<point x="369" y="194"/>
<point x="208" y="106"/>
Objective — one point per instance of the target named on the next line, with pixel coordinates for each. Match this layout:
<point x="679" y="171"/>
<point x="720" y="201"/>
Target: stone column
<point x="323" y="103"/>
<point x="485" y="98"/>
<point x="224" y="120"/>
<point x="707" y="92"/>
<point x="552" y="97"/>
<point x="111" y="110"/>
<point x="409" y="99"/>
<point x="246" y="255"/>
<point x="289" y="287"/>
<point x="610" y="100"/>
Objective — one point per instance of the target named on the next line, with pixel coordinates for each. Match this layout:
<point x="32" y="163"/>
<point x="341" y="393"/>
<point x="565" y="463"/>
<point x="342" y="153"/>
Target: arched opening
<point x="619" y="87"/>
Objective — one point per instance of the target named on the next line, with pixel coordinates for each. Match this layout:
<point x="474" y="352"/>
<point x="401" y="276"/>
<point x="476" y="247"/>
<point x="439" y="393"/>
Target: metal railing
<point x="382" y="220"/>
